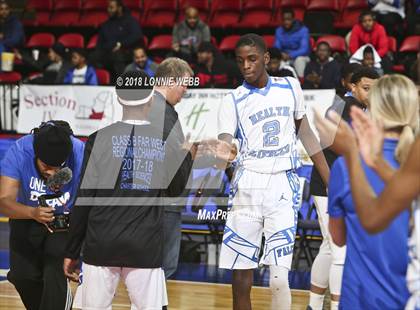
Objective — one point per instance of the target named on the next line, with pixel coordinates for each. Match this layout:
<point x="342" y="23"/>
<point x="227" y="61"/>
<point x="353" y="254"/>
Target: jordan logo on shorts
<point x="282" y="197"/>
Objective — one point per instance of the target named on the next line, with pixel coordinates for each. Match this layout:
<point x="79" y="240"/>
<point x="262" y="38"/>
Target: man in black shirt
<point x="128" y="169"/>
<point x="116" y="36"/>
<point x="324" y="71"/>
<point x="164" y="116"/>
<point x="330" y="256"/>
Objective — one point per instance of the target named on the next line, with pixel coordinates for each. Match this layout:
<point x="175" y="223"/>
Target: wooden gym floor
<point x="182" y="295"/>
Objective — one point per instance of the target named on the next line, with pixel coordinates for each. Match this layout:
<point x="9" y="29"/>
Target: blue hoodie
<point x="294" y="41"/>
<point x="13" y="33"/>
<point x="90" y="77"/>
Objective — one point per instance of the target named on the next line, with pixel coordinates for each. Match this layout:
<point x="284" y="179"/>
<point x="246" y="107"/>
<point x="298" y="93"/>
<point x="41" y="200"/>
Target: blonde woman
<point x="376" y="265"/>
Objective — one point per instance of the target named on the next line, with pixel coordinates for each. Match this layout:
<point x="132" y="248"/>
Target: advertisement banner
<point x="86" y="108"/>
<point x="89" y="108"/>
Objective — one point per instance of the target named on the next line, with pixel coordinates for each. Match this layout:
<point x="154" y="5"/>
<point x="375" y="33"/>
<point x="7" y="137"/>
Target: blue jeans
<point x="171" y="241"/>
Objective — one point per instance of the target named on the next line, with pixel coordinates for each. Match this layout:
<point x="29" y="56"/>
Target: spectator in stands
<point x="368" y="57"/>
<point x="142" y="62"/>
<point x="368" y="31"/>
<point x="391" y="15"/>
<point x="11" y="30"/>
<point x="413" y="19"/>
<point x="188" y="35"/>
<point x="214" y="70"/>
<point x="344" y="90"/>
<point x="324" y="71"/>
<point x="116" y="36"/>
<point x="278" y="67"/>
<point x="53" y="71"/>
<point x="293" y="40"/>
<point x="81" y="73"/>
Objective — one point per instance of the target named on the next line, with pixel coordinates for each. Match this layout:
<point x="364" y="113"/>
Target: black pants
<point x="115" y="62"/>
<point x="393" y="23"/>
<point x="36" y="266"/>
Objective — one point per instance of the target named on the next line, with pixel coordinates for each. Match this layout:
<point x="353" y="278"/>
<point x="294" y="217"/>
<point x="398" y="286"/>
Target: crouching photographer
<point x="39" y="177"/>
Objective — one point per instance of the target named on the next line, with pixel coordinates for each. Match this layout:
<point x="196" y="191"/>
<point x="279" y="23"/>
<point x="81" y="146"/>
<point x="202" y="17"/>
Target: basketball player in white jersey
<point x="264" y="114"/>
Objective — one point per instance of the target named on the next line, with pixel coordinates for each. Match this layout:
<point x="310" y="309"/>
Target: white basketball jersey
<point x="263" y="120"/>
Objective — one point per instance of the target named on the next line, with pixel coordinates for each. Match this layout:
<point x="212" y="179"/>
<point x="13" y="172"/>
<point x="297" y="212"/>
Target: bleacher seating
<point x="72" y="40"/>
<point x="256" y="13"/>
<point x="239" y="16"/>
<point x="202" y="6"/>
<point x="10" y="77"/>
<point x="41" y="39"/>
<point x="66" y="13"/>
<point x="225" y="13"/>
<point x="103" y="76"/>
<point x="228" y="43"/>
<point x="159" y="13"/>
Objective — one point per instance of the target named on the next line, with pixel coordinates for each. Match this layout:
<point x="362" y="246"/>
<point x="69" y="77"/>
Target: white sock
<point x="281" y="297"/>
<point x="334" y="305"/>
<point x="316" y="301"/>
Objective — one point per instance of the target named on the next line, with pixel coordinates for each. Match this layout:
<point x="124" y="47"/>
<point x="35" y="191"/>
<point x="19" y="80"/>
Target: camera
<point x="61" y="221"/>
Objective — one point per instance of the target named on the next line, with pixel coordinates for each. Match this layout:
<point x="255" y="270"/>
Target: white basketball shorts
<point x="262" y="203"/>
<point x="146" y="288"/>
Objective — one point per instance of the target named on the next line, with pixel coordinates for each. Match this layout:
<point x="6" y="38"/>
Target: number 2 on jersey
<point x="271" y="130"/>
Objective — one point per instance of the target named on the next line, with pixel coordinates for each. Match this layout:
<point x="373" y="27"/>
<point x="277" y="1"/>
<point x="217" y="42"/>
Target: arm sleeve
<point x="68" y="77"/>
<point x="206" y="34"/>
<point x="383" y="42"/>
<point x="134" y="34"/>
<point x="179" y="181"/>
<point x="91" y="78"/>
<point x="11" y="163"/>
<point x="300" y="105"/>
<point x="336" y="190"/>
<point x="175" y="33"/>
<point x="15" y="37"/>
<point x="277" y="42"/>
<point x="80" y="213"/>
<point x="354" y="40"/>
<point x="303" y="49"/>
<point x="306" y="83"/>
<point x="103" y="42"/>
<point x="227" y="116"/>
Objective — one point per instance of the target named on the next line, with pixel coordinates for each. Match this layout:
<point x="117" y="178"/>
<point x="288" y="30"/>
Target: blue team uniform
<point x="376" y="264"/>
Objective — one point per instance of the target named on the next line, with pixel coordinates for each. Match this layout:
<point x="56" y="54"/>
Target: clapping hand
<point x="370" y="136"/>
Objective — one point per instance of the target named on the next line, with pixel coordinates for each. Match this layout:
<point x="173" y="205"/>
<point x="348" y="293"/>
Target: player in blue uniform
<point x="376" y="265"/>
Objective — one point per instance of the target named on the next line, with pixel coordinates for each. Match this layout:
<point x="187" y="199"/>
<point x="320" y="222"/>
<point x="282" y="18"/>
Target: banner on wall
<point x="89" y="108"/>
<point x="86" y="108"/>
